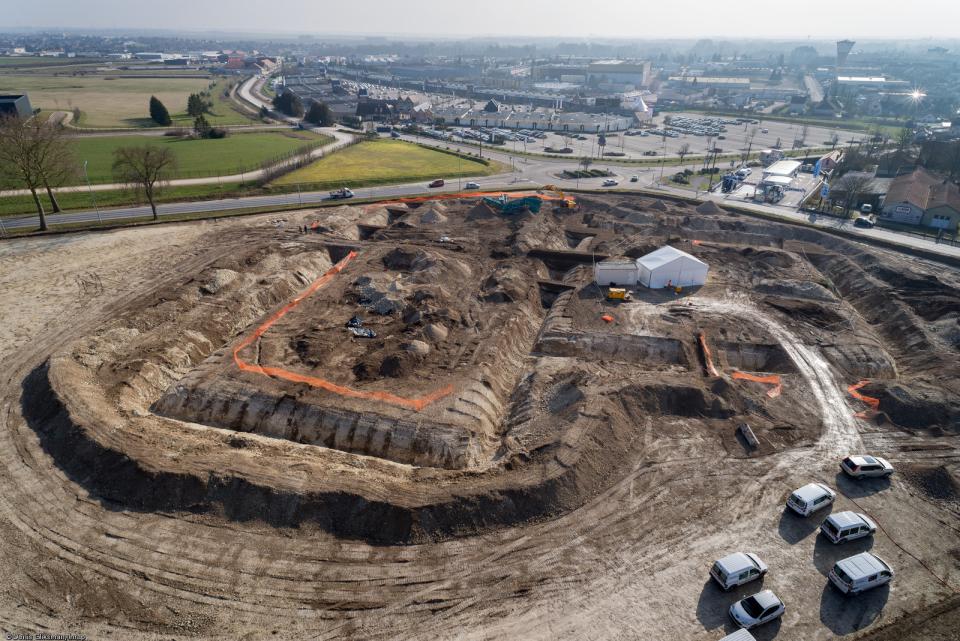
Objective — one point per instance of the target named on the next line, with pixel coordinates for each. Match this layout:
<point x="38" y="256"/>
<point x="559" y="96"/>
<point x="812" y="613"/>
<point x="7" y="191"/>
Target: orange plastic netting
<point x="771" y="379"/>
<point x="707" y="356"/>
<point x="872" y="403"/>
<point x="277" y="372"/>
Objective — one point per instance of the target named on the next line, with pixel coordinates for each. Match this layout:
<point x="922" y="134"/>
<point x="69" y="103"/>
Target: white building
<point x="781" y="172"/>
<point x="616" y="273"/>
<point x="670" y="267"/>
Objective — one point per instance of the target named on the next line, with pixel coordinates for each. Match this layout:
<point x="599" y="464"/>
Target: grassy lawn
<point x="105" y="101"/>
<point x="13" y="206"/>
<point x="378" y="162"/>
<point x="196" y="158"/>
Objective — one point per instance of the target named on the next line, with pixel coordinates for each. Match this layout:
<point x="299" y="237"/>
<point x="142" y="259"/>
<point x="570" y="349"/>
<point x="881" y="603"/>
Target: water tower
<point x="843" y="50"/>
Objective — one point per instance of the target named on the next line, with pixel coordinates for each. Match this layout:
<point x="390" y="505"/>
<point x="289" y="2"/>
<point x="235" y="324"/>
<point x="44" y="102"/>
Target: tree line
<point x="38" y="156"/>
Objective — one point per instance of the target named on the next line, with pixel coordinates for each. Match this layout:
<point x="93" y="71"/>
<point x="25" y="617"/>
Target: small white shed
<point x="670" y="266"/>
<point x="615" y="273"/>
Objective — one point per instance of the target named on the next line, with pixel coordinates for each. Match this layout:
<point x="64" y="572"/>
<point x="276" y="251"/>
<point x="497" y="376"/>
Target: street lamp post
<point x="90" y="190"/>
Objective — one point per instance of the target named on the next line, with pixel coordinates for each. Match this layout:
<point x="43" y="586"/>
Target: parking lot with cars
<point x="699" y="133"/>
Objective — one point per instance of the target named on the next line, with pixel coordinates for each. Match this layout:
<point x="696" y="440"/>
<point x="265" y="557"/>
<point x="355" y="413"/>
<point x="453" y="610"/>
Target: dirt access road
<point x="632" y="563"/>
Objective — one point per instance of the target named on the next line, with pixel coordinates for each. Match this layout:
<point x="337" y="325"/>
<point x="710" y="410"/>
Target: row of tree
<point x="317" y="112"/>
<point x="38" y="156"/>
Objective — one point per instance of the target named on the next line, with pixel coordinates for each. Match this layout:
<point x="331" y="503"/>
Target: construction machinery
<point x="506" y="205"/>
<point x="618" y="293"/>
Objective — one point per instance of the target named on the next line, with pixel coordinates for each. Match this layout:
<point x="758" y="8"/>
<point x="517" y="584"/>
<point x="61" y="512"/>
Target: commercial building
<point x="618" y="74"/>
<point x="15" y="105"/>
<point x="782" y="169"/>
<point x="923" y="198"/>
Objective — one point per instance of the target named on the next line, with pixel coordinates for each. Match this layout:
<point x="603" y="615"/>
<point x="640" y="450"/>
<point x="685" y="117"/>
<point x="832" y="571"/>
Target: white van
<point x="739" y="635"/>
<point x="810" y="498"/>
<point x="861" y="572"/>
<point x="847" y="526"/>
<point x="736" y="569"/>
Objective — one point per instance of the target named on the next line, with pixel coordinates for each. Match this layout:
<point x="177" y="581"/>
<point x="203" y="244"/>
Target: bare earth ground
<point x="123" y="558"/>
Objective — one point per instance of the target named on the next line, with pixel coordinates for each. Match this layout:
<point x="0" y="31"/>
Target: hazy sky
<point x="640" y="19"/>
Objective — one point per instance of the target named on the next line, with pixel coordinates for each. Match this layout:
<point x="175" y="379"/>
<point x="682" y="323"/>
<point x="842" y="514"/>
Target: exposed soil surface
<point x="568" y="476"/>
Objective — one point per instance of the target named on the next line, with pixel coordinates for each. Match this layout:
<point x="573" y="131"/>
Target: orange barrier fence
<point x="707" y="356"/>
<point x="771" y="379"/>
<point x="276" y="372"/>
<point x="872" y="403"/>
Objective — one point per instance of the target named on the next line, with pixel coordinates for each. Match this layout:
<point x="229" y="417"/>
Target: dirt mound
<point x="433" y="216"/>
<point x="482" y="211"/>
<point x="709" y="207"/>
<point x="659" y="205"/>
<point x="678" y="400"/>
<point x="936" y="482"/>
<point x="408" y="260"/>
<point x="917" y="405"/>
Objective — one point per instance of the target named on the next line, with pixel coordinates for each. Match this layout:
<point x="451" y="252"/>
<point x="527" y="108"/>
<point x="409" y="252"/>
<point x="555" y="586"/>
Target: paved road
<point x="525" y="172"/>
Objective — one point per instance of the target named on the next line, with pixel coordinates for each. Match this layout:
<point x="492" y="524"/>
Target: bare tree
<point x="585" y="162"/>
<point x="144" y="170"/>
<point x="834" y="139"/>
<point x="36" y="155"/>
<point x="683" y="151"/>
<point x="904" y="138"/>
<point x="853" y="186"/>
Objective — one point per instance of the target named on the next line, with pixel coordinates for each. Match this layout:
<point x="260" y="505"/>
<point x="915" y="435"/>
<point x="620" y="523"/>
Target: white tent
<point x="669" y="266"/>
<point x="611" y="273"/>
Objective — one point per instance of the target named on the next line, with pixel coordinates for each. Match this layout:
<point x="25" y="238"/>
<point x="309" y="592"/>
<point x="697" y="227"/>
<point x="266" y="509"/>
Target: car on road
<point x="736" y="569"/>
<point x="634" y="178"/>
<point x="436" y="183"/>
<point x="610" y="182"/>
<point x="861" y="572"/>
<point x="743" y="172"/>
<point x="764" y="131"/>
<point x="472" y="185"/>
<point x="810" y="498"/>
<point x="757" y="609"/>
<point x="341" y="194"/>
<point x="863" y="466"/>
<point x="847" y="526"/>
<point x="866" y="222"/>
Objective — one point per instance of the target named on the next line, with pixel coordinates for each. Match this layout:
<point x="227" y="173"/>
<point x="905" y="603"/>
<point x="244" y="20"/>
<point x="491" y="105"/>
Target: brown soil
<point x="579" y="471"/>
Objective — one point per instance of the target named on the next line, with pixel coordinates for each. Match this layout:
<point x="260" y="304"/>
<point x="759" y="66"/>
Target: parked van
<point x="861" y="572"/>
<point x="847" y="526"/>
<point x="739" y="635"/>
<point x="736" y="569"/>
<point x="810" y="498"/>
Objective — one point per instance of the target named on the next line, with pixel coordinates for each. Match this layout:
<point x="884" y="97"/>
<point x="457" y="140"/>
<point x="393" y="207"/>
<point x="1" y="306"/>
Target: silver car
<point x="757" y="609"/>
<point x="863" y="466"/>
<point x="736" y="569"/>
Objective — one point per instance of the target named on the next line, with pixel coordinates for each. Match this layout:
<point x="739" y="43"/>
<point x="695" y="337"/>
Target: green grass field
<point x="379" y="162"/>
<point x="196" y="158"/>
<point x="113" y="99"/>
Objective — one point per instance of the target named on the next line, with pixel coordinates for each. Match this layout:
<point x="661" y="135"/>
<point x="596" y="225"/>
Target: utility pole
<point x="90" y="190"/>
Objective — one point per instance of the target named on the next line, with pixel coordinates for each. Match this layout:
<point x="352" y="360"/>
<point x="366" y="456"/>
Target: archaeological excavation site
<point x="432" y="415"/>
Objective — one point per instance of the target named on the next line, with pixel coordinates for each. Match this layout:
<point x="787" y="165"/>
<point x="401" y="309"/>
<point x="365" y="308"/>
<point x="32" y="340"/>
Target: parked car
<point x="810" y="498"/>
<point x="436" y="183"/>
<point x="863" y="466"/>
<point x="739" y="635"/>
<point x="861" y="572"/>
<point x="736" y="569"/>
<point x="866" y="208"/>
<point x="743" y="172"/>
<point x="847" y="526"/>
<point x="764" y="131"/>
<point x="610" y="182"/>
<point x="634" y="178"/>
<point x="867" y="222"/>
<point x="757" y="609"/>
<point x="472" y="185"/>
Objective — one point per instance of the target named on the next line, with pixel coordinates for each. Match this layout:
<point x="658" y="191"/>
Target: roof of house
<point x="664" y="256"/>
<point x="924" y="190"/>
